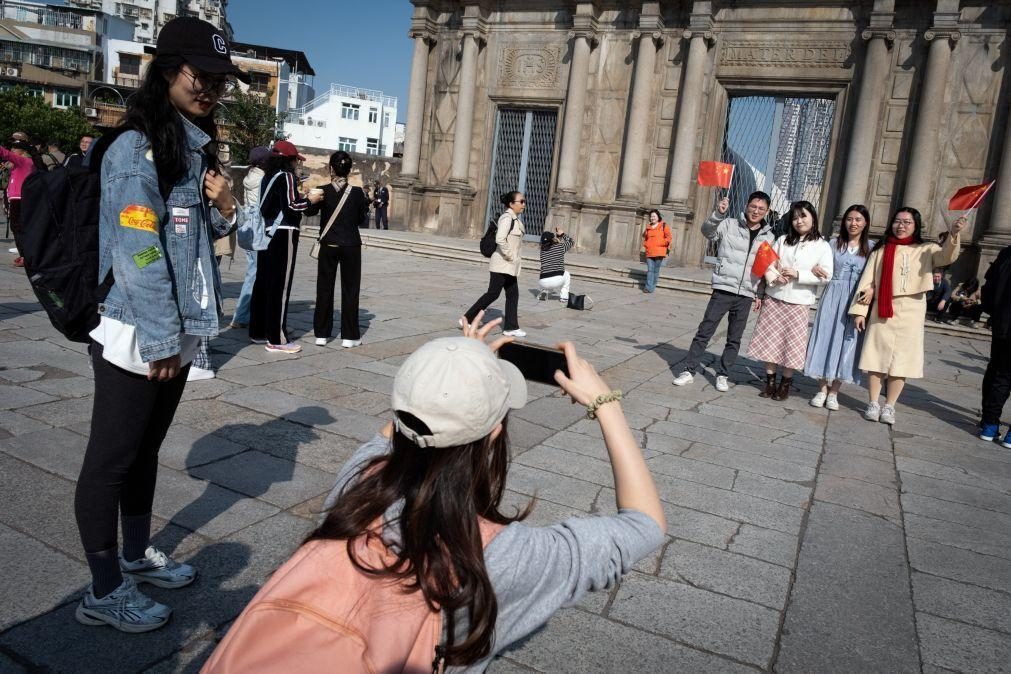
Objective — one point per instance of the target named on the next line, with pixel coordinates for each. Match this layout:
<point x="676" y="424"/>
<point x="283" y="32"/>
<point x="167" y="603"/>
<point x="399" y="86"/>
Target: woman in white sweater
<point x="805" y="262"/>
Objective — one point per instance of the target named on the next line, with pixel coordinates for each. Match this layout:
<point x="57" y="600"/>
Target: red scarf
<point x="887" y="272"/>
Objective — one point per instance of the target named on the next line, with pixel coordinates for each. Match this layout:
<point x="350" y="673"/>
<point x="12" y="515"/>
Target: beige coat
<point x="506" y="258"/>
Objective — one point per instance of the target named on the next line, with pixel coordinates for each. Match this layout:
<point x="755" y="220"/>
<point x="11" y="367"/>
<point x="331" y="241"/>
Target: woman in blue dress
<point x="835" y="341"/>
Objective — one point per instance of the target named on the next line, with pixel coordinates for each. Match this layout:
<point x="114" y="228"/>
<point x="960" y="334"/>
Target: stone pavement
<point x="799" y="540"/>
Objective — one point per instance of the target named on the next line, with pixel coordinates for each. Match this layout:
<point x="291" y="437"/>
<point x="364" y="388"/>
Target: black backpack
<point x="488" y="240"/>
<point x="59" y="242"/>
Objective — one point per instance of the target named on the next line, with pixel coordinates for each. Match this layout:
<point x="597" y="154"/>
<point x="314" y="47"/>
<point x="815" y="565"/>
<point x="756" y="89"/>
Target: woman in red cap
<point x="282" y="211"/>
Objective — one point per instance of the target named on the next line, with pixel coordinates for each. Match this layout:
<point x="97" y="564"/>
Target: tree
<point x="20" y="110"/>
<point x="248" y="120"/>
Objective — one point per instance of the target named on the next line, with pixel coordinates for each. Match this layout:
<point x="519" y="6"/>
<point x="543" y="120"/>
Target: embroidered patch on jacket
<point x="139" y="217"/>
<point x="147" y="256"/>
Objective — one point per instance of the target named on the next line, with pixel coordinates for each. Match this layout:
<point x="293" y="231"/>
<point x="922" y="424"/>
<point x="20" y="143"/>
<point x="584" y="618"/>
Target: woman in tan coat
<point x="504" y="266"/>
<point x="899" y="270"/>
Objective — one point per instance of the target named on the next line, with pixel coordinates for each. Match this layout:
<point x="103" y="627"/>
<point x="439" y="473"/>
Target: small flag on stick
<point x="764" y="258"/>
<point x="969" y="197"/>
<point x="715" y="174"/>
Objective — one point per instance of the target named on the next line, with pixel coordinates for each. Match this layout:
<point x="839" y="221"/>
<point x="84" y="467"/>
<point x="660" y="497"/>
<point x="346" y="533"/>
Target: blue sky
<point x="362" y="44"/>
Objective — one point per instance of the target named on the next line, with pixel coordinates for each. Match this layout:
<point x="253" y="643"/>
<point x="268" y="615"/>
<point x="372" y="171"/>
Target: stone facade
<point x="642" y="91"/>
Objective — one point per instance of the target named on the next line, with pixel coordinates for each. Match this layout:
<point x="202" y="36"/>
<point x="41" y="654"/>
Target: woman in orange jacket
<point x="656" y="240"/>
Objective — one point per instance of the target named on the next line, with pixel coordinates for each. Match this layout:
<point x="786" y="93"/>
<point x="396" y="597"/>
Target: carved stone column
<point x="460" y="171"/>
<point x="923" y="158"/>
<point x="690" y="102"/>
<point x="879" y="38"/>
<point x="1000" y="214"/>
<point x="575" y="108"/>
<point x="638" y="122"/>
<point x="416" y="104"/>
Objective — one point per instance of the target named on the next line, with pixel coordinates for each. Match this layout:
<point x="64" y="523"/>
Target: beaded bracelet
<point x="602" y="399"/>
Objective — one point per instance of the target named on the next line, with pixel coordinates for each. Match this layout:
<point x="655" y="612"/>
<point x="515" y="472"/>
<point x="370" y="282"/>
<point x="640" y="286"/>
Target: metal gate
<point x="780" y="146"/>
<point x="521" y="159"/>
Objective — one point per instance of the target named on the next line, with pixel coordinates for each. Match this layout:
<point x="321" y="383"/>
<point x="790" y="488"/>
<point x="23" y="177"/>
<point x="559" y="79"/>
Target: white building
<point x="295" y="86"/>
<point x="346" y="118"/>
<point x="150" y="15"/>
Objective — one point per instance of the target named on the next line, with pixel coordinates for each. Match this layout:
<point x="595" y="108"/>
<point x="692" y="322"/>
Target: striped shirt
<point x="283" y="197"/>
<point x="553" y="258"/>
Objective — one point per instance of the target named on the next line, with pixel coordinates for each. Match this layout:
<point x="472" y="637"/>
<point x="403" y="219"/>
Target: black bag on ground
<point x="488" y="240"/>
<point x="580" y="302"/>
<point x="60" y="245"/>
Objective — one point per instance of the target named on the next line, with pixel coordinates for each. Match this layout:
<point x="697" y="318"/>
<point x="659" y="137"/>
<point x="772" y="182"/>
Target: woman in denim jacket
<point x="163" y="201"/>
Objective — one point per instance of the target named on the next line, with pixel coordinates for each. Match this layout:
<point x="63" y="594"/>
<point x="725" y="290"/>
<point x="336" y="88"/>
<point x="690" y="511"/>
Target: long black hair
<point x="917" y="229"/>
<point x="793" y="237"/>
<point x="843" y="240"/>
<point x="151" y="112"/>
<point x="278" y="162"/>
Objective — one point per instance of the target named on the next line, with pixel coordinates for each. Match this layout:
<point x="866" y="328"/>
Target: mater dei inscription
<point x="804" y="54"/>
<point x="535" y="67"/>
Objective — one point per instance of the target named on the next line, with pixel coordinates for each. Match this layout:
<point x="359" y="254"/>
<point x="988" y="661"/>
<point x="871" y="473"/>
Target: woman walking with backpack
<point x="343" y="210"/>
<point x="162" y="201"/>
<point x="416" y="556"/>
<point x="656" y="240"/>
<point x="504" y="266"/>
<point x="251" y="184"/>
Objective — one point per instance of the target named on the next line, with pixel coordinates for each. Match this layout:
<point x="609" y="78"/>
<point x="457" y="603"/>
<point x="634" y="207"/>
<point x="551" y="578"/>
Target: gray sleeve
<point x="537" y="570"/>
<point x="377" y="446"/>
<point x="711" y="227"/>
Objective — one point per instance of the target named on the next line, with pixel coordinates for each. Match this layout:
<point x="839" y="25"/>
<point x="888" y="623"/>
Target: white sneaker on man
<point x="350" y="343"/>
<point x="321" y="341"/>
<point x="722" y="383"/>
<point x="685" y="377"/>
<point x="198" y="373"/>
<point x="514" y="333"/>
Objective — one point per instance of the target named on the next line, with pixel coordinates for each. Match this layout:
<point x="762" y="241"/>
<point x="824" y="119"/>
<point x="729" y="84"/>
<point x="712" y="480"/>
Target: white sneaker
<point x="685" y="377"/>
<point x="722" y="383"/>
<point x="159" y="569"/>
<point x="514" y="333"/>
<point x="350" y="343"/>
<point x="832" y="402"/>
<point x="12" y="250"/>
<point x="887" y="415"/>
<point x="819" y="399"/>
<point x="126" y="608"/>
<point x="873" y="412"/>
<point x="564" y="299"/>
<point x="459" y="322"/>
<point x="198" y="373"/>
<point x="321" y="341"/>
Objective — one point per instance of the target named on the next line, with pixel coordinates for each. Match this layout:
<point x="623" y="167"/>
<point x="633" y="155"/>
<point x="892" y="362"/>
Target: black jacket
<point x="996" y="294"/>
<point x="283" y="198"/>
<point x="355" y="214"/>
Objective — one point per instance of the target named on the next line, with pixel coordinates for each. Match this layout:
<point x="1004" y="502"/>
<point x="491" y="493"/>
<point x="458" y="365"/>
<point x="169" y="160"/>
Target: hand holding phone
<point x="535" y="362"/>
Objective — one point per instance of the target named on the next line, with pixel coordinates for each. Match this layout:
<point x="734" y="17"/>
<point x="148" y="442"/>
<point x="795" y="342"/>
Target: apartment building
<point x="148" y="16"/>
<point x="346" y="118"/>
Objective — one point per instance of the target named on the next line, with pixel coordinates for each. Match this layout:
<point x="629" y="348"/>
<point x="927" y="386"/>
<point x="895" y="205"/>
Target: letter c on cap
<point x="219" y="44"/>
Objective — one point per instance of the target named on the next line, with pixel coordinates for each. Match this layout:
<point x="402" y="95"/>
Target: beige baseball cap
<point x="458" y="388"/>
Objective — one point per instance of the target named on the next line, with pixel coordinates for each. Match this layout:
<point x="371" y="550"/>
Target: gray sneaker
<point x="888" y="415"/>
<point x="126" y="608"/>
<point x="685" y="377"/>
<point x="722" y="383"/>
<point x="873" y="412"/>
<point x="159" y="569"/>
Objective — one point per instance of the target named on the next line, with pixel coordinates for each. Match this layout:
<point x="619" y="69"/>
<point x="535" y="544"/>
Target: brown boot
<point x="783" y="392"/>
<point x="770" y="386"/>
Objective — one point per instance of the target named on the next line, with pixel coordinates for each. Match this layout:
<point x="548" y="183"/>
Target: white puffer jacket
<point x="802" y="256"/>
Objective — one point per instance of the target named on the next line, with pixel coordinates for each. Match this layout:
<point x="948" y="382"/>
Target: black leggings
<point x="496" y="283"/>
<point x="129" y="420"/>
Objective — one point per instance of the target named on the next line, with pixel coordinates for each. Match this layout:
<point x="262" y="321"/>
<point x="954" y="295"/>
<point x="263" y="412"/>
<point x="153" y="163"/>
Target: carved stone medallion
<point x="533" y="67"/>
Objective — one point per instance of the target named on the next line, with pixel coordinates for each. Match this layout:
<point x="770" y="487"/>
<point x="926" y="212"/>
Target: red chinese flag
<point x="969" y="197"/>
<point x="763" y="259"/>
<point x="715" y="174"/>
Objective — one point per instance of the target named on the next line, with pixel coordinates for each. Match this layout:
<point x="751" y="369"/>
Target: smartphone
<point x="535" y="362"/>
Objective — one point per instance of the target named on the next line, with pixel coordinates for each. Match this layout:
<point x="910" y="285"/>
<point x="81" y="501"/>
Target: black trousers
<point x="14" y="220"/>
<point x="721" y="303"/>
<point x="496" y="283"/>
<point x="129" y="420"/>
<point x="268" y="307"/>
<point x="997" y="380"/>
<point x="349" y="259"/>
<point x="958" y="310"/>
<point x="382" y="222"/>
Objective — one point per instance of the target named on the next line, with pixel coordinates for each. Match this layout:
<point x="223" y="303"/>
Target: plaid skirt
<point x="781" y="334"/>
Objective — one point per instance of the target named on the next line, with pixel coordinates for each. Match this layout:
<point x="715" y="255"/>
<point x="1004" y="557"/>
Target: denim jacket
<point x="160" y="251"/>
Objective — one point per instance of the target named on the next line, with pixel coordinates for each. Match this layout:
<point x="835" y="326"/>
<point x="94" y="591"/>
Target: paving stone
<point x="316" y="388"/>
<point x="723" y="426"/>
<point x="551" y="487"/>
<point x="62" y="412"/>
<point x="997" y="544"/>
<point x="727" y="573"/>
<point x="667" y="444"/>
<point x="960" y="477"/>
<point x="73" y="387"/>
<point x="186" y="447"/>
<point x="551" y="412"/>
<point x="961" y="647"/>
<point x="705" y="620"/>
<point x="693" y="471"/>
<point x="865" y="587"/>
<point x="367" y="381"/>
<point x="996" y="522"/>
<point x="802" y="457"/>
<point x="15" y="397"/>
<point x="559" y="461"/>
<point x="55" y="450"/>
<point x="870" y="498"/>
<point x="21" y="375"/>
<point x="752" y="463"/>
<point x="575" y="641"/>
<point x="962" y="602"/>
<point x="881" y="473"/>
<point x="766" y="544"/>
<point x="278" y="481"/>
<point x="793" y="494"/>
<point x="18" y="424"/>
<point x="28" y="492"/>
<point x="367" y="402"/>
<point x="591" y="427"/>
<point x="729" y="504"/>
<point x="323" y="416"/>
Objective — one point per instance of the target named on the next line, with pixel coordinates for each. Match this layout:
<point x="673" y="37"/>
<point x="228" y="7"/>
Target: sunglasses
<point x="520" y="201"/>
<point x="203" y="83"/>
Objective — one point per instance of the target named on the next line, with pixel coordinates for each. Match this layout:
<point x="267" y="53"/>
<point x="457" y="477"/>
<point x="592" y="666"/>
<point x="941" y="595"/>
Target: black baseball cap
<point x="201" y="44"/>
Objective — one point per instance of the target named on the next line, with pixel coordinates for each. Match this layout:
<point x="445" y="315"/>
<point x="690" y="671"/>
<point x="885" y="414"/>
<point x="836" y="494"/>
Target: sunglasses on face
<point x="204" y="83"/>
<point x="521" y="201"/>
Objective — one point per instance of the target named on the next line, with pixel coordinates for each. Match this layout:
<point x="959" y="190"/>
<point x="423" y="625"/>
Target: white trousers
<point x="559" y="283"/>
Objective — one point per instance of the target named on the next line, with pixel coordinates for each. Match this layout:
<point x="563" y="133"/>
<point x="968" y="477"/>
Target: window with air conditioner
<point x="349" y="111"/>
<point x="347" y="144"/>
<point x="371" y="146"/>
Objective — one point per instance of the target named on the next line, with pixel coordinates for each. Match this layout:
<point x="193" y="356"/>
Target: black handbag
<point x="580" y="302"/>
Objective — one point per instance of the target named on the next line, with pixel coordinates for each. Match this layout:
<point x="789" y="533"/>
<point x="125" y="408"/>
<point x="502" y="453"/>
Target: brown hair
<point x="445" y="491"/>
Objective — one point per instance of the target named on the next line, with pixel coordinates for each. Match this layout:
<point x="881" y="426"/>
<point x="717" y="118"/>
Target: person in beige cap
<point x="432" y="481"/>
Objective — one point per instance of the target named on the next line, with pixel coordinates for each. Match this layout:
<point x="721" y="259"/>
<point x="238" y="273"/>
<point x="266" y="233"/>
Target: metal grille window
<point x="349" y="111"/>
<point x="371" y="146"/>
<point x="347" y="144"/>
<point x="45" y="57"/>
<point x="521" y="160"/>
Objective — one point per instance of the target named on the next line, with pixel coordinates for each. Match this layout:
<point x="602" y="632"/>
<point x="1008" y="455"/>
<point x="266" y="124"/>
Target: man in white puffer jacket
<point x="734" y="285"/>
